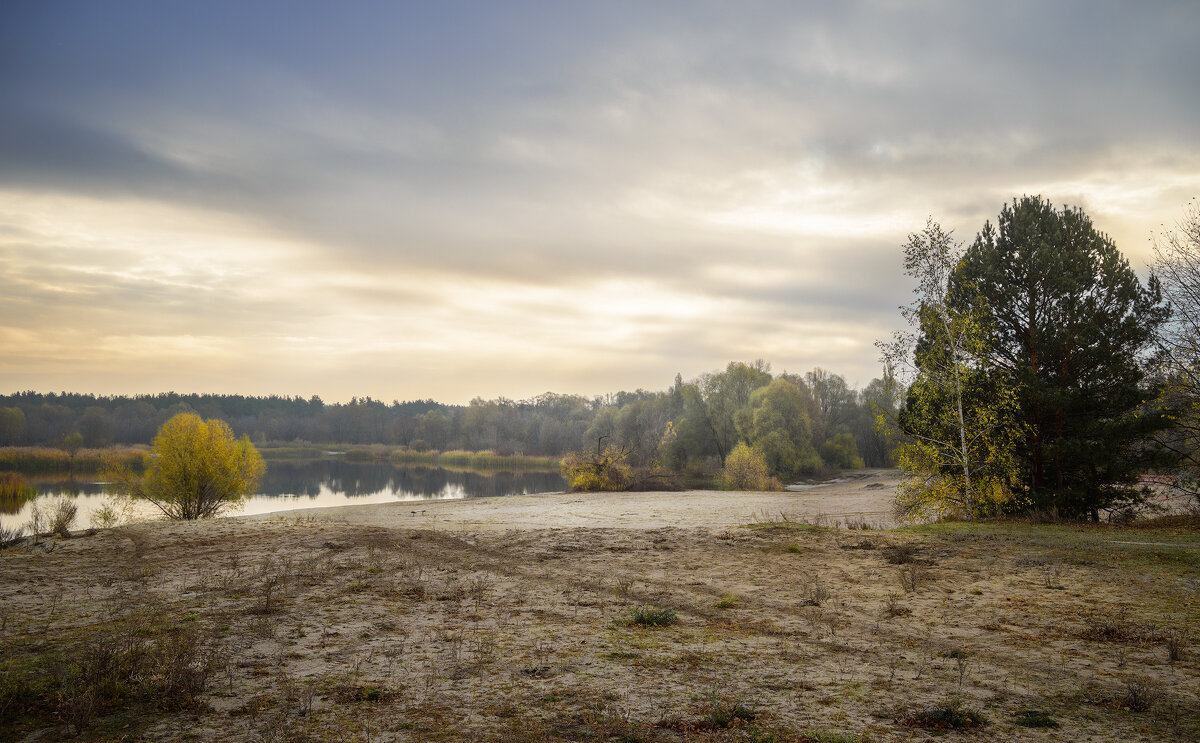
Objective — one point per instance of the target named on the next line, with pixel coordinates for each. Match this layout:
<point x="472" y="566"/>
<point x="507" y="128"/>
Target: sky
<point x="457" y="199"/>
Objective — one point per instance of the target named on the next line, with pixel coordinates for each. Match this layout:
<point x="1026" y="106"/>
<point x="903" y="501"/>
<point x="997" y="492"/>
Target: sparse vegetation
<point x="951" y="714"/>
<point x="292" y="628"/>
<point x="652" y="616"/>
<point x="1035" y="718"/>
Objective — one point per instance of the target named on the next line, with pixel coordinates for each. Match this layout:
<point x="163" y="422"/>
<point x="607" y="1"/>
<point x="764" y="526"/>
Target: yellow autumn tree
<point x="958" y="424"/>
<point x="195" y="469"/>
<point x="746" y="469"/>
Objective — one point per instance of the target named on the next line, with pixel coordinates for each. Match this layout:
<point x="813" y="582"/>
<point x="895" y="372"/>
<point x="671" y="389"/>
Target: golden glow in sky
<point x="412" y="202"/>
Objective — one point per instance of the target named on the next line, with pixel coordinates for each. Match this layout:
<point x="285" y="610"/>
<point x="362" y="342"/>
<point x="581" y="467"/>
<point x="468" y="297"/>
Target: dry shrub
<point x="912" y="577"/>
<point x="602" y="471"/>
<point x="815" y="593"/>
<point x="1118" y="627"/>
<point x="10" y="537"/>
<point x="1176" y="640"/>
<point x="1140" y="694"/>
<point x="893" y="608"/>
<point x="900" y="554"/>
<point x="62" y="513"/>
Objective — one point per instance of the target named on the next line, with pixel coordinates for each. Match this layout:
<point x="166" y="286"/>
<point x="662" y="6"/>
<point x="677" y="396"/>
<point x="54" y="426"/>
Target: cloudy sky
<point x="447" y="199"/>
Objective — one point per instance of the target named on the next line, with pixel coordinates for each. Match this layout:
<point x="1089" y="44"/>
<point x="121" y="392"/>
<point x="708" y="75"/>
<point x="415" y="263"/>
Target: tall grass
<point x="14" y="491"/>
<point x="14" y="487"/>
<point x="475" y="460"/>
<point x="46" y="459"/>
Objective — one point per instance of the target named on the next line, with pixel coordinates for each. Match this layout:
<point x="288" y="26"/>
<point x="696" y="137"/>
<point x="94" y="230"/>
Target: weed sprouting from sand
<point x="912" y="577"/>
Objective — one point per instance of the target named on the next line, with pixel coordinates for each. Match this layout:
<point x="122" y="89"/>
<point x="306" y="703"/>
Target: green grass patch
<point x="652" y="616"/>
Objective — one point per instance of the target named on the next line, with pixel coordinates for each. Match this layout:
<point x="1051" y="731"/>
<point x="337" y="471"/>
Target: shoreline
<point x="861" y="497"/>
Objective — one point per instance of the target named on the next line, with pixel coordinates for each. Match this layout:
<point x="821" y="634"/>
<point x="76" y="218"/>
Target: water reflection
<point x="355" y="479"/>
<point x="291" y="485"/>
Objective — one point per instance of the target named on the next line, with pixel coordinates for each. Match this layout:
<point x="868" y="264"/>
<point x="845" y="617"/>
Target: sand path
<point x="861" y="496"/>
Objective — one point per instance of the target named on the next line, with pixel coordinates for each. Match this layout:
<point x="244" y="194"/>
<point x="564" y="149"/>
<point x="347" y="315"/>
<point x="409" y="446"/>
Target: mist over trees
<point x="801" y="424"/>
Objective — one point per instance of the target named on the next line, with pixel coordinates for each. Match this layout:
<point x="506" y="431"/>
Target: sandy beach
<point x="862" y="497"/>
<point x="653" y="617"/>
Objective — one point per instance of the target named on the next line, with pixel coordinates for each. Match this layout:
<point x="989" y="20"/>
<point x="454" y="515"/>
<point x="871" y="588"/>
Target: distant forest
<point x="806" y="422"/>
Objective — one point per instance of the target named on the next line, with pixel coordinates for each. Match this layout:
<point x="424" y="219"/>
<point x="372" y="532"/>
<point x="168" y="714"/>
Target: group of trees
<point x="799" y="423"/>
<point x="1040" y="372"/>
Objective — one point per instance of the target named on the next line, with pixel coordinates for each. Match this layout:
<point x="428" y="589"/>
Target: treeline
<point x="802" y="423"/>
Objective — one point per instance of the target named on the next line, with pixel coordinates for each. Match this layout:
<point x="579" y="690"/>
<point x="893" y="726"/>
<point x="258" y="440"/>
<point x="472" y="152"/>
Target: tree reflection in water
<point x="356" y="479"/>
<point x="307" y="483"/>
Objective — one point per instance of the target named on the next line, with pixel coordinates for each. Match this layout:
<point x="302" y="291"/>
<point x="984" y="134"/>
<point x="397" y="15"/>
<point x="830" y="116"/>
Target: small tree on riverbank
<point x="603" y="470"/>
<point x="195" y="469"/>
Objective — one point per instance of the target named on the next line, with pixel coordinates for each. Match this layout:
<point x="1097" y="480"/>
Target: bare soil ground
<point x="485" y="621"/>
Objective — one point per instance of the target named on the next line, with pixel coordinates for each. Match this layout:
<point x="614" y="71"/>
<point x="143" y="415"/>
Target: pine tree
<point x="1070" y="326"/>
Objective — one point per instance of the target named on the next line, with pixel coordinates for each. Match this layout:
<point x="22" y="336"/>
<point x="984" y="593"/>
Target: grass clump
<point x="652" y="616"/>
<point x="729" y="601"/>
<point x="725" y="713"/>
<point x="949" y="715"/>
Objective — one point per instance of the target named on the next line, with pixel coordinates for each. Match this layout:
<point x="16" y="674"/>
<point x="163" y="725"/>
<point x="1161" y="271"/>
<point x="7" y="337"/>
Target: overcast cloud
<point x="458" y="199"/>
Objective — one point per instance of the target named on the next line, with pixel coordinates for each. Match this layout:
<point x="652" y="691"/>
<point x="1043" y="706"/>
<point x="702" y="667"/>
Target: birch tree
<point x="957" y="448"/>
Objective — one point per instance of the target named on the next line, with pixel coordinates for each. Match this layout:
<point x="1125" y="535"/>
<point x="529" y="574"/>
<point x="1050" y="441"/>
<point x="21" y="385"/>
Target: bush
<point x="604" y="470"/>
<point x="195" y="469"/>
<point x="746" y="469"/>
<point x="52" y="517"/>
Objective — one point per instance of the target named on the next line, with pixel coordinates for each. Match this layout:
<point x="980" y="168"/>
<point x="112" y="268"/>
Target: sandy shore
<point x="516" y="620"/>
<point x="859" y="497"/>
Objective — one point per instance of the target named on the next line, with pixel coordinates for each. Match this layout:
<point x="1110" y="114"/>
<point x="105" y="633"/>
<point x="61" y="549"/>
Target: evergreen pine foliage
<point x="1069" y="329"/>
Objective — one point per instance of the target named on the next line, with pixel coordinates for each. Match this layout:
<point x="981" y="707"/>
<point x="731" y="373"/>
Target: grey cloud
<point x="513" y="141"/>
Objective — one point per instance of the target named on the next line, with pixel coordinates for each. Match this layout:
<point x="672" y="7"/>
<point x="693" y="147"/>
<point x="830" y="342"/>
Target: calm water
<point x="291" y="485"/>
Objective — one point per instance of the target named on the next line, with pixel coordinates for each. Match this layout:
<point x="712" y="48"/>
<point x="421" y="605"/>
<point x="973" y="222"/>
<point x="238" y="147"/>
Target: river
<point x="291" y="485"/>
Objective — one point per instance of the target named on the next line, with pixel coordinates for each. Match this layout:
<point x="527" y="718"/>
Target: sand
<point x="859" y="497"/>
<point x="513" y="619"/>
